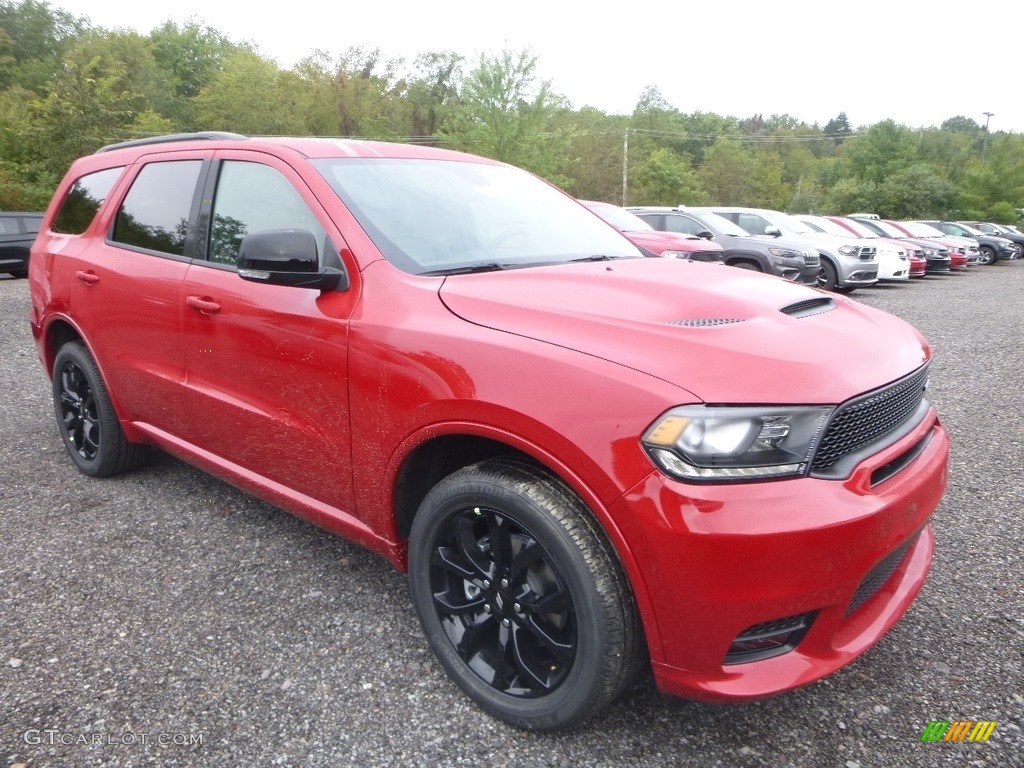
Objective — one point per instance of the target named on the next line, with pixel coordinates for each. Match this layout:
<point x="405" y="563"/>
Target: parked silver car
<point x="762" y="253"/>
<point x="846" y="264"/>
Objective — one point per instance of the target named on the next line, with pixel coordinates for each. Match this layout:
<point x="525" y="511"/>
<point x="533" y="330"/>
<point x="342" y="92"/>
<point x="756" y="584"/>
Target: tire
<point x="89" y="427"/>
<point x="988" y="256"/>
<point x="828" y="278"/>
<point x="541" y="631"/>
<point x="1018" y="251"/>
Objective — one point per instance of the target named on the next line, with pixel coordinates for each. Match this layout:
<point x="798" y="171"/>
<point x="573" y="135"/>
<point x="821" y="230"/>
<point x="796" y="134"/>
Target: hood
<point x="658" y="242"/>
<point x="715" y="332"/>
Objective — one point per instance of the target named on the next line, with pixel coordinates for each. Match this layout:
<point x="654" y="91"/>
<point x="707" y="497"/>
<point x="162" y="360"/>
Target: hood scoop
<point x="705" y="322"/>
<point x="809" y="307"/>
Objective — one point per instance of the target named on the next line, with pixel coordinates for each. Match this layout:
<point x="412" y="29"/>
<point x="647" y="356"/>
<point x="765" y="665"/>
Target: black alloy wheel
<point x="828" y="278"/>
<point x="88" y="425"/>
<point x="521" y="597"/>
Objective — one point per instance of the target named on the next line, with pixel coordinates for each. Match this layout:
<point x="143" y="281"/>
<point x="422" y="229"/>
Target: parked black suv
<point x="17" y="233"/>
<point x="998" y="230"/>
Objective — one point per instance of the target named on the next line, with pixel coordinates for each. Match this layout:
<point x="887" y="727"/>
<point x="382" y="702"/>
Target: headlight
<point x="697" y="442"/>
<point x="675" y="255"/>
<point x="785" y="253"/>
<point x="849" y="250"/>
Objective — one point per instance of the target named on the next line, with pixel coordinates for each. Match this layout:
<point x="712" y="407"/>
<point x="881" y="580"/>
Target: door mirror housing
<point x="286" y="257"/>
<point x="773" y="231"/>
<point x="706" y="234"/>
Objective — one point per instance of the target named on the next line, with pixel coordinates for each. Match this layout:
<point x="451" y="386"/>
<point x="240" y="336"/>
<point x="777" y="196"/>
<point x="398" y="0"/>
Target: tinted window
<point x="155" y="212"/>
<point x="683" y="224"/>
<point x="254" y="198"/>
<point x="752" y="223"/>
<point x="8" y="226"/>
<point x="656" y="220"/>
<point x="83" y="200"/>
<point x="31" y="224"/>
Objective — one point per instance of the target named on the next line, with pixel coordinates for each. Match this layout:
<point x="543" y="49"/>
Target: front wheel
<point x="520" y="596"/>
<point x="88" y="424"/>
<point x="828" y="278"/>
<point x="988" y="255"/>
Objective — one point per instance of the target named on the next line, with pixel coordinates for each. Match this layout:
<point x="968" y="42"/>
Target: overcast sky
<point x="874" y="59"/>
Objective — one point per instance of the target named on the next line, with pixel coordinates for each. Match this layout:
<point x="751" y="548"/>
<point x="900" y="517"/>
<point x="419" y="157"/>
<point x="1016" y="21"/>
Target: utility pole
<point x="625" y="164"/>
<point x="984" y="141"/>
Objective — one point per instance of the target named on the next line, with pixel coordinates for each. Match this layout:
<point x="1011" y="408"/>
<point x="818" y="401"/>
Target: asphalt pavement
<point x="164" y="618"/>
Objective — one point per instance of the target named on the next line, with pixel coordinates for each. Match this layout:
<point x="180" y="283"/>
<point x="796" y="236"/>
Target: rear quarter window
<point x="155" y="212"/>
<point x="83" y="200"/>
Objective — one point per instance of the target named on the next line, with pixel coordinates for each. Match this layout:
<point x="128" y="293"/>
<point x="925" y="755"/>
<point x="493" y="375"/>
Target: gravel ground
<point x="166" y="603"/>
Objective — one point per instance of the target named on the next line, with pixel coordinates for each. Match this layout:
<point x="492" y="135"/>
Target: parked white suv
<point x="893" y="264"/>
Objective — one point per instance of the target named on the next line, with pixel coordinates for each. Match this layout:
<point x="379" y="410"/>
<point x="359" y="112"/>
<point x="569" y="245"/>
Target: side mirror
<point x="773" y="231"/>
<point x="706" y="234"/>
<point x="286" y="257"/>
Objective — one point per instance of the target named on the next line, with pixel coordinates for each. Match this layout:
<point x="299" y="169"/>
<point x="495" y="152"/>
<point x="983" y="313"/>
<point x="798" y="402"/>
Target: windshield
<point x="885" y="228"/>
<point x="827" y="226"/>
<point x="621" y="219"/>
<point x="438" y="216"/>
<point x="718" y="225"/>
<point x="917" y="229"/>
<point x="860" y="229"/>
<point x="791" y="223"/>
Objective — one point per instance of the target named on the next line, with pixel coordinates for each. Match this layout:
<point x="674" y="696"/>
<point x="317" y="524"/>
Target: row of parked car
<point x="838" y="253"/>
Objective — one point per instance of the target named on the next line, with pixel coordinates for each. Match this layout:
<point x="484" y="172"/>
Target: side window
<point x="683" y="224"/>
<point x="155" y="212"/>
<point x="31" y="224"/>
<point x="8" y="226"/>
<point x="752" y="223"/>
<point x="83" y="200"/>
<point x="254" y="198"/>
<point x="656" y="220"/>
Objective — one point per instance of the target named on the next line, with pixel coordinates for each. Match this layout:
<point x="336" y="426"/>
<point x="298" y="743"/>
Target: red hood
<point x="628" y="312"/>
<point x="657" y="242"/>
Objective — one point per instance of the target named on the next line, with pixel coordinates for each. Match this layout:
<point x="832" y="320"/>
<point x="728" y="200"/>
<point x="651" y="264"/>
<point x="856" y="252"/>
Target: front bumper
<point x="718" y="561"/>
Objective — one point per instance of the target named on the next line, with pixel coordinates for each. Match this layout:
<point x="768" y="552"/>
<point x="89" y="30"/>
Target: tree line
<point x="68" y="88"/>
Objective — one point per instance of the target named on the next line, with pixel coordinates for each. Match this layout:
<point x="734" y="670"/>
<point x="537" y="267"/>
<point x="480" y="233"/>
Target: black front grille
<point x="706" y="256"/>
<point x="862" y="421"/>
<point x="879" y="575"/>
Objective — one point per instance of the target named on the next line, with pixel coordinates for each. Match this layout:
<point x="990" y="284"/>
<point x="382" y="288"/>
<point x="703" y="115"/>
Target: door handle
<point x="205" y="306"/>
<point x="89" y="278"/>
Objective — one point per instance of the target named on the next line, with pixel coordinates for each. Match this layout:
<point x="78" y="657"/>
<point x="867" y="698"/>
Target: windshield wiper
<point x="596" y="257"/>
<point x="488" y="266"/>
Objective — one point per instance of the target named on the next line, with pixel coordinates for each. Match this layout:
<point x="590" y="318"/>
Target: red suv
<point x="584" y="458"/>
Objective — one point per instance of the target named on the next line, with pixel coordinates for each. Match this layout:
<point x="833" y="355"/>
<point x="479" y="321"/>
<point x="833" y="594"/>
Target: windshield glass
<point x="719" y="225"/>
<point x="791" y="223"/>
<point x="860" y="229"/>
<point x="918" y="229"/>
<point x="885" y="228"/>
<point x="827" y="226"/>
<point x="621" y="219"/>
<point x="443" y="215"/>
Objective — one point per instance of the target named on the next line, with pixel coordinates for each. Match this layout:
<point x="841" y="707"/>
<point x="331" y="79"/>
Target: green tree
<point x="665" y="178"/>
<point x="915" y="192"/>
<point x="506" y="113"/>
<point x="727" y="174"/>
<point x="249" y="95"/>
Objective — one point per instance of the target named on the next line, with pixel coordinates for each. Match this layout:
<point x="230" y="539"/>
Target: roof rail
<point x="198" y="136"/>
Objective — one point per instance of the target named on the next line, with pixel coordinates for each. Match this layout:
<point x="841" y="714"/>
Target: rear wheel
<point x="520" y="596"/>
<point x="88" y="424"/>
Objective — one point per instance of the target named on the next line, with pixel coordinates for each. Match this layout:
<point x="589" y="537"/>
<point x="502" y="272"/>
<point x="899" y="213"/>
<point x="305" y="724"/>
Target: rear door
<point x="267" y="368"/>
<point x="126" y="291"/>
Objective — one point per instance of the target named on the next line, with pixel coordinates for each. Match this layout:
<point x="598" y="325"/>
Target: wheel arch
<point x="438" y="454"/>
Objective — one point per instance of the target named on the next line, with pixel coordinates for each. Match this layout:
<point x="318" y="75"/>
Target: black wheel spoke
<point x="562" y="650"/>
<point x="469" y="545"/>
<point x="455" y="607"/>
<point x="475" y="637"/>
<point x="454" y="562"/>
<point x="554" y="602"/>
<point x="501" y="542"/>
<point x="530" y="554"/>
<point x="536" y="671"/>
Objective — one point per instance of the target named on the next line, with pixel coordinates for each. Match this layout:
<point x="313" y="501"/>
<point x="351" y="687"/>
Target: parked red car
<point x="584" y="458"/>
<point x="915" y="257"/>
<point x="672" y="245"/>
